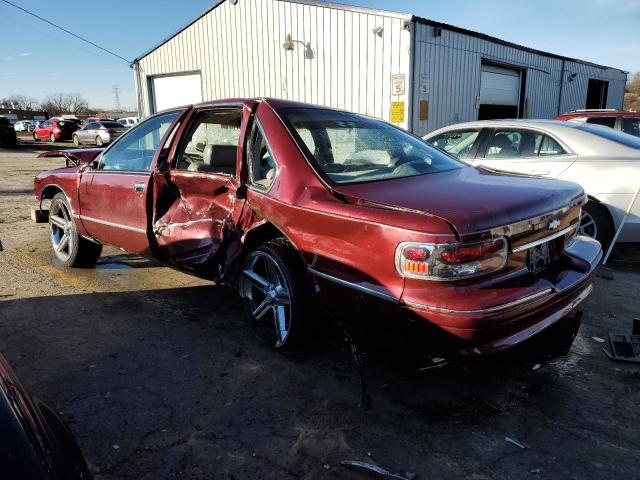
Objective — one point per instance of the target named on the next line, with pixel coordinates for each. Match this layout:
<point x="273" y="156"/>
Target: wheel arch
<point x="607" y="208"/>
<point x="262" y="233"/>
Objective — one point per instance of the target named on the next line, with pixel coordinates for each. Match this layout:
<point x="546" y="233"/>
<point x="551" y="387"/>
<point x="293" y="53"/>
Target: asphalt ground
<point x="159" y="376"/>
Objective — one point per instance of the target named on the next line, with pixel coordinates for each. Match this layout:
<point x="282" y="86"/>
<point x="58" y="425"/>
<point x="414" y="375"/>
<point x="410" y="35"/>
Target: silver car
<point x="604" y="161"/>
<point x="98" y="133"/>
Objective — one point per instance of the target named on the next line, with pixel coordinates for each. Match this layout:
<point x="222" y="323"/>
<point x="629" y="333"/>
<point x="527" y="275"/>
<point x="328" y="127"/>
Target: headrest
<point x="223" y="155"/>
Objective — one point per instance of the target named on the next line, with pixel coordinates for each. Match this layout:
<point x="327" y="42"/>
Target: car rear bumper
<point x="497" y="327"/>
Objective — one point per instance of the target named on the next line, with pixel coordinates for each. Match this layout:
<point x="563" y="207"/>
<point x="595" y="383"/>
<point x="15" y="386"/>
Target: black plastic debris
<point x="626" y="348"/>
<point x="379" y="471"/>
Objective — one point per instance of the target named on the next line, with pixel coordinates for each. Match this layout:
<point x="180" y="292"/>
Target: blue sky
<point x="36" y="59"/>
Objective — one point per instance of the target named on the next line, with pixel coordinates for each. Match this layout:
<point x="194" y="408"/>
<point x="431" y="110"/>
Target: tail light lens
<point x="451" y="261"/>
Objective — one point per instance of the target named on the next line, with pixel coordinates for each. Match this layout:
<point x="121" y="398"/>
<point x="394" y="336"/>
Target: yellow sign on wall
<point x="424" y="110"/>
<point x="397" y="112"/>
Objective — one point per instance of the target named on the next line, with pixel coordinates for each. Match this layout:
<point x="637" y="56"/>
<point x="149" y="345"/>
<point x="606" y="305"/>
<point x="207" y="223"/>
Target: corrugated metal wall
<point x="338" y="61"/>
<point x="447" y="75"/>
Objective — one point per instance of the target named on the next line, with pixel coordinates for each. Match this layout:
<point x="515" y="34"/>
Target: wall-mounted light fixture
<point x="289" y="45"/>
<point x="377" y="31"/>
<point x="572" y="77"/>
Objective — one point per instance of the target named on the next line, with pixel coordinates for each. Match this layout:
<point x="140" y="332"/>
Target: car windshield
<point x="612" y="135"/>
<point x="350" y="148"/>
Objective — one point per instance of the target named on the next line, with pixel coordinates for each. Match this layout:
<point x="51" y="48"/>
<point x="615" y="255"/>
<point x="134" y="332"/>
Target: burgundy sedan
<point x="305" y="207"/>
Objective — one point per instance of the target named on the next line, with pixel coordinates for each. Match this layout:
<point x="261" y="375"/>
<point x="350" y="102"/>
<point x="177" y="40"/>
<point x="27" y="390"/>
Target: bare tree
<point x="61" y="103"/>
<point x="19" y="102"/>
<point x="632" y="93"/>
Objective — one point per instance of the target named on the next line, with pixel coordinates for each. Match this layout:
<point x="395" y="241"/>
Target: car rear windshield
<point x="612" y="135"/>
<point x="350" y="148"/>
<point x="631" y="125"/>
<point x="111" y="124"/>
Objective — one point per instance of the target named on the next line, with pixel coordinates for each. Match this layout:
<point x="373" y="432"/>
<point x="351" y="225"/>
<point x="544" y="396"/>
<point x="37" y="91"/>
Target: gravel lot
<point x="160" y="377"/>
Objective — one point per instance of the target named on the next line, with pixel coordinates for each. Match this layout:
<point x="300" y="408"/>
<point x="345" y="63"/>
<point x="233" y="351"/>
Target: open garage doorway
<point x="174" y="90"/>
<point x="597" y="91"/>
<point x="500" y="92"/>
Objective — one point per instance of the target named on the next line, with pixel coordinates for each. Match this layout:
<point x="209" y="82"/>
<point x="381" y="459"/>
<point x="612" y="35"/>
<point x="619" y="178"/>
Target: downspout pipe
<point x="561" y="88"/>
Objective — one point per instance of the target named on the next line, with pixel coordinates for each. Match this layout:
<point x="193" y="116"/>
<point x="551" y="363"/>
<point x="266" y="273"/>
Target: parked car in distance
<point x="626" y="122"/>
<point x="605" y="162"/>
<point x="98" y="133"/>
<point x="23" y="126"/>
<point x="55" y="130"/>
<point x="304" y="207"/>
<point x="7" y="133"/>
<point x="128" y="121"/>
<point x="35" y="444"/>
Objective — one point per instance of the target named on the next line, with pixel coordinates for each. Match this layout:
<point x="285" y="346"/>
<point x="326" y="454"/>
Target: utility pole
<point x="116" y="97"/>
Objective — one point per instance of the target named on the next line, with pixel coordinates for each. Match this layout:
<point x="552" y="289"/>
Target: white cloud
<point x="26" y="54"/>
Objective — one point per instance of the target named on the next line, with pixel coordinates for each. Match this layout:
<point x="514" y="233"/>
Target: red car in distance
<point x="309" y="209"/>
<point x="626" y="122"/>
<point x="55" y="130"/>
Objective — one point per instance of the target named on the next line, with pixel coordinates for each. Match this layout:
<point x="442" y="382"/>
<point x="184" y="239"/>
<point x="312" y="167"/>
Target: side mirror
<point x="241" y="192"/>
<point x="163" y="166"/>
<point x="94" y="164"/>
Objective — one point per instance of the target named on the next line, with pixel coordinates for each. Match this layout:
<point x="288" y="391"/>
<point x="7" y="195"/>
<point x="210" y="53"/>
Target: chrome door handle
<point x="138" y="186"/>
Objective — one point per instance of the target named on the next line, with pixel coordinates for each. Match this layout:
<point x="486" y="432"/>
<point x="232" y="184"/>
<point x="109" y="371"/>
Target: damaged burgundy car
<point x="305" y="206"/>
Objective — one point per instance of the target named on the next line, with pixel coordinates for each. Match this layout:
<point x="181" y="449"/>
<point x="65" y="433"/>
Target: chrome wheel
<point x="52" y="137"/>
<point x="76" y="141"/>
<point x="99" y="141"/>
<point x="62" y="231"/>
<point x="264" y="286"/>
<point x="588" y="225"/>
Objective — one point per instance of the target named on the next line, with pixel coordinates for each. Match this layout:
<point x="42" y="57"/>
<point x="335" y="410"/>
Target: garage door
<point x="175" y="90"/>
<point x="499" y="86"/>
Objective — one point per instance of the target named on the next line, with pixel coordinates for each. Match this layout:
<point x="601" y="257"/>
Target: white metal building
<point x="414" y="72"/>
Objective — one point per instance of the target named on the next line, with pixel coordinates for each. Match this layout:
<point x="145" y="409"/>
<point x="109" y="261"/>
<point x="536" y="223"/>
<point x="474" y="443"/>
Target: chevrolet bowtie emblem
<point x="553" y="224"/>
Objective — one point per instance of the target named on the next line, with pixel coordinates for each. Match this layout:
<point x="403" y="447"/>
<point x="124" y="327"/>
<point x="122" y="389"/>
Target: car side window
<point x="521" y="144"/>
<point x="212" y="143"/>
<point x="458" y="143"/>
<point x="549" y="147"/>
<point x="134" y="151"/>
<point x="631" y="125"/>
<point x="606" y="121"/>
<point x="262" y="164"/>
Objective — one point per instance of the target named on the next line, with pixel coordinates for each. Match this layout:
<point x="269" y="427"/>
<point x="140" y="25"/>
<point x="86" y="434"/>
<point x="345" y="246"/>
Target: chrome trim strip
<point x="545" y="239"/>
<point x="111" y="224"/>
<point x="496" y="308"/>
<point x="355" y="286"/>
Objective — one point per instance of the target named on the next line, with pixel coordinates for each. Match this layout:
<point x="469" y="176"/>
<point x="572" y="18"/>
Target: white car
<point x="23" y="126"/>
<point x="128" y="121"/>
<point x="604" y="161"/>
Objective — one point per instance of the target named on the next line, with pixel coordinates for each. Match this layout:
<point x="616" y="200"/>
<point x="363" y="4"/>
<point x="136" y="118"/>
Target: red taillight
<point x="416" y="254"/>
<point x="466" y="254"/>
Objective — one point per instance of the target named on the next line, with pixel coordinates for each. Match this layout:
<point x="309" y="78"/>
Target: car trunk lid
<point x="478" y="202"/>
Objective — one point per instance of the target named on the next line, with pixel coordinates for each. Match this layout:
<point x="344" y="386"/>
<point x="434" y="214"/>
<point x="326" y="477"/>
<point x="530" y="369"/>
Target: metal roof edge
<point x="176" y="33"/>
<point x="352" y="8"/>
<point x="484" y="36"/>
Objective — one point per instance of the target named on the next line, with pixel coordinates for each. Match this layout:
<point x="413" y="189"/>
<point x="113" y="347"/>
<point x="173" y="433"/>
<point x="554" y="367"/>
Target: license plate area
<point x="541" y="256"/>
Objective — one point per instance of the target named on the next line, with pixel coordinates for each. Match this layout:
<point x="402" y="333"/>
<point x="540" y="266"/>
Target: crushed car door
<point x="197" y="205"/>
<point x="113" y="189"/>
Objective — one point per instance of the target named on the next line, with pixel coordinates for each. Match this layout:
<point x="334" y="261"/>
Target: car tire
<point x="69" y="247"/>
<point x="596" y="223"/>
<point x="76" y="141"/>
<point x="275" y="293"/>
<point x="35" y="137"/>
<point x="99" y="141"/>
<point x="52" y="137"/>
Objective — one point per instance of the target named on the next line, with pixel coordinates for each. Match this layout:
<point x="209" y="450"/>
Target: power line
<point x="66" y="31"/>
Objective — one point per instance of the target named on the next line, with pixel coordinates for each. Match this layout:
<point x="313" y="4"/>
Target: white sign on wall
<point x="397" y="84"/>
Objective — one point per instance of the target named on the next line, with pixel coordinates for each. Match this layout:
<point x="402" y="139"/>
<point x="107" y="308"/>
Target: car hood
<point x="75" y="157"/>
<point x="472" y="200"/>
